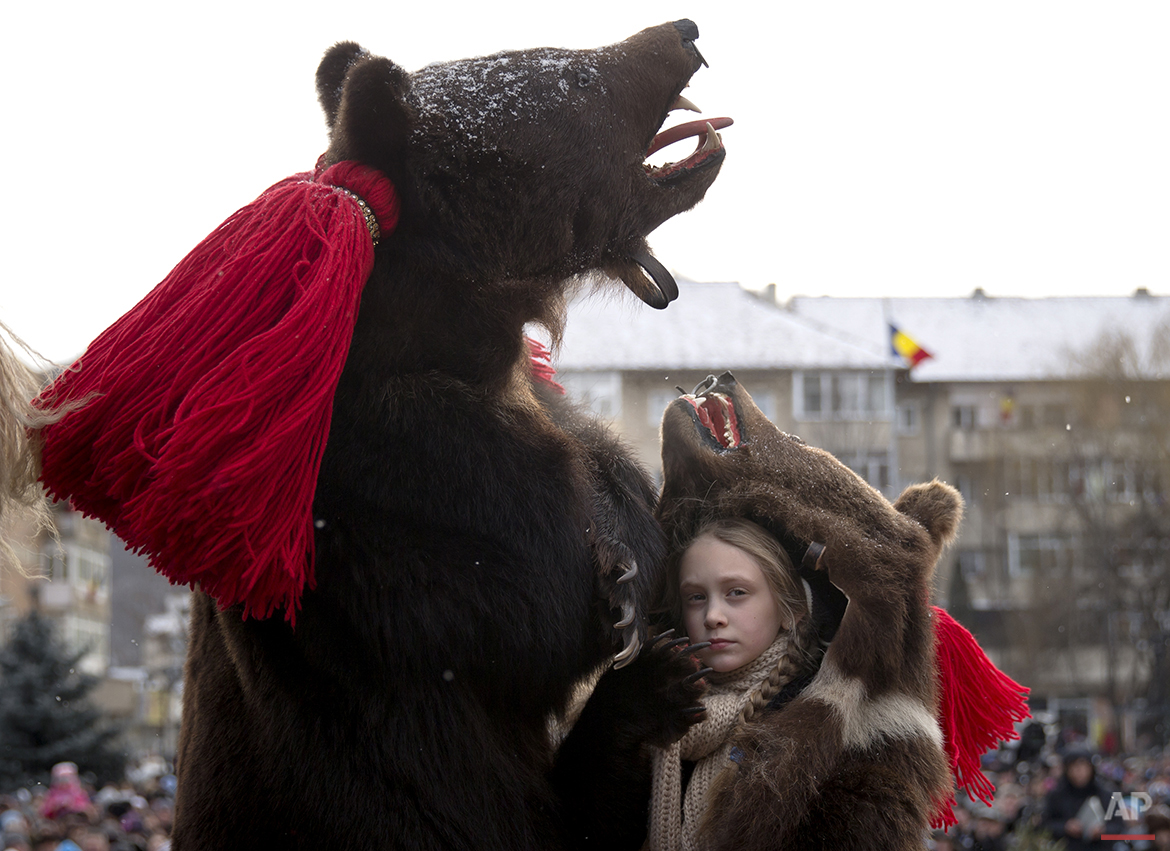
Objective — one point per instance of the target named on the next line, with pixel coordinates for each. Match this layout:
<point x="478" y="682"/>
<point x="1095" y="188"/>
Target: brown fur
<point x="856" y="760"/>
<point x="470" y="532"/>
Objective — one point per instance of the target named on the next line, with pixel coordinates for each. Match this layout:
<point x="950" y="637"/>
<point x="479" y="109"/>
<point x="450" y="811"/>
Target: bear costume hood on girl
<point x="858" y="759"/>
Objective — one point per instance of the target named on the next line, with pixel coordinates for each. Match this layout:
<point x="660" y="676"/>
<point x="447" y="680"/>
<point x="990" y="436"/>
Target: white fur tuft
<point x="866" y="721"/>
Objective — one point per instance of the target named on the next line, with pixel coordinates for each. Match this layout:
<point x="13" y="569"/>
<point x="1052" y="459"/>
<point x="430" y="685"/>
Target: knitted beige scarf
<point x="675" y="819"/>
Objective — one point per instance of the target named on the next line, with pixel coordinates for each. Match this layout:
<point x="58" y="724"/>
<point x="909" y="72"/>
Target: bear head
<point x="523" y="169"/>
<point x="723" y="458"/>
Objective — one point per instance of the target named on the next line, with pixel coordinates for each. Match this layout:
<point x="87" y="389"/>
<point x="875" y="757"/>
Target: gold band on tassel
<point x="371" y="219"/>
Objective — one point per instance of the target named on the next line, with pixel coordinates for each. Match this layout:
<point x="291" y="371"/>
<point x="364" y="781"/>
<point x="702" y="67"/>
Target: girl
<point x="734" y="588"/>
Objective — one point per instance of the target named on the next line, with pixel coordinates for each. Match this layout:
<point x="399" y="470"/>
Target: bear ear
<point x="331" y="76"/>
<point x="372" y="121"/>
<point x="937" y="506"/>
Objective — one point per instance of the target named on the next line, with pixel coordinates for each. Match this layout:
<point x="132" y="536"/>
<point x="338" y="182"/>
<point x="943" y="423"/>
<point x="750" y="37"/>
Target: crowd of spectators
<point x="1067" y="797"/>
<point x="71" y="815"/>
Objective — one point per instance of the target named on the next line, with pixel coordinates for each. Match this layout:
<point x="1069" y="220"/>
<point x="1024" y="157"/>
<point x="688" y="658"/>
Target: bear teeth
<point x="712" y="142"/>
<point x="716" y="414"/>
<point x="686" y="130"/>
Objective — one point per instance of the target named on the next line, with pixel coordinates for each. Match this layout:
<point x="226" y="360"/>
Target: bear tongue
<point x="717" y="414"/>
<point x="684" y="131"/>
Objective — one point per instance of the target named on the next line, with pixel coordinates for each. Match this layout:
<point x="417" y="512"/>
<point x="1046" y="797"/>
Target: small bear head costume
<point x="858" y="755"/>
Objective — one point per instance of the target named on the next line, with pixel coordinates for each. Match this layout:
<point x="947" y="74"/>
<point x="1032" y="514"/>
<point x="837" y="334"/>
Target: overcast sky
<point x="879" y="148"/>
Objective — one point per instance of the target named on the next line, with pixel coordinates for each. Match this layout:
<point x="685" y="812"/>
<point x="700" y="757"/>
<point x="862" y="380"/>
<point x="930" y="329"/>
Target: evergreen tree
<point x="45" y="716"/>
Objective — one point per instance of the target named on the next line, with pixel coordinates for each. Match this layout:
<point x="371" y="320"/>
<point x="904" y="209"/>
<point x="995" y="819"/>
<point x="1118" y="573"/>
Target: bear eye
<point x="584" y="78"/>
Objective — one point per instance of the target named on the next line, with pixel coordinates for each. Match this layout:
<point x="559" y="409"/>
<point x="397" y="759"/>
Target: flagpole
<point x="893" y="485"/>
<point x="895" y="474"/>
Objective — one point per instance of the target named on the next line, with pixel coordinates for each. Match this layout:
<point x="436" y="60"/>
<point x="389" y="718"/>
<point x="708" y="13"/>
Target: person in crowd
<point x="988" y="833"/>
<point x="65" y="794"/>
<point x="1158" y="825"/>
<point x="1076" y="809"/>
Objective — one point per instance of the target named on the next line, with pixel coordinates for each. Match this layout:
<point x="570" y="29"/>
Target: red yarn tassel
<point x="542" y="368"/>
<point x="978" y="708"/>
<point x="210" y="400"/>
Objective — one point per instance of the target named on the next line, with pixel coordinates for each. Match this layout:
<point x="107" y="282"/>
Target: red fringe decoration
<point x="978" y="708"/>
<point x="542" y="368"/>
<point x="209" y="402"/>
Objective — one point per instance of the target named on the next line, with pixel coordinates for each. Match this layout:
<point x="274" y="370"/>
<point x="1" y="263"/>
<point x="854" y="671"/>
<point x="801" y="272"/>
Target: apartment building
<point x="1051" y="416"/>
<point x="69" y="579"/>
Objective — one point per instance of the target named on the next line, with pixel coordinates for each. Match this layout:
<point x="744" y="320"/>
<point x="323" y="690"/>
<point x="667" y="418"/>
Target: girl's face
<point x="726" y="600"/>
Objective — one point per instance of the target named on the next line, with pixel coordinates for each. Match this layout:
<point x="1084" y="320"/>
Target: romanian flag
<point x="910" y="351"/>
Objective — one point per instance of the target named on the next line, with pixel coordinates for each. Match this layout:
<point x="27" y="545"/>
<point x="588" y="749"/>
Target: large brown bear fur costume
<point x="856" y="759"/>
<point x="476" y="540"/>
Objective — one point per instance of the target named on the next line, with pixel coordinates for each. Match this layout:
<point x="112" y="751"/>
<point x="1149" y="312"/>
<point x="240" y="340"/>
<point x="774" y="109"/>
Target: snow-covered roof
<point x="976" y="338"/>
<point x="710" y="325"/>
<point x="981" y="338"/>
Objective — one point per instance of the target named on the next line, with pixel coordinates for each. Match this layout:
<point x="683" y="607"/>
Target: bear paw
<point x="657" y="696"/>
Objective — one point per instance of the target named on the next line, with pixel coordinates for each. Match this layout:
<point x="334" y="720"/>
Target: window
<point x="811" y="400"/>
<point x="1029" y="555"/>
<point x="600" y="391"/>
<point x="966" y="487"/>
<point x="972" y="563"/>
<point x="1020" y="478"/>
<point x="766" y="401"/>
<point x="1149" y="485"/>
<point x="1058" y="482"/>
<point x="841" y="396"/>
<point x="874" y="387"/>
<point x="1111" y="480"/>
<point x="846" y="397"/>
<point x="874" y="467"/>
<point x="906" y="418"/>
<point x="964" y="417"/>
<point x="55" y="563"/>
<point x="1042" y="479"/>
<point x="82" y="634"/>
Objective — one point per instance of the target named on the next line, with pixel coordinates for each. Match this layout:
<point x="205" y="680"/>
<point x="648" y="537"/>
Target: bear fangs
<point x="711" y="143"/>
<point x="704" y="126"/>
<point x="716" y="413"/>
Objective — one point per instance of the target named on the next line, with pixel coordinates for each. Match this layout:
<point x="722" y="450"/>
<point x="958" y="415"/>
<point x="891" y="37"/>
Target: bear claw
<point x="630" y="653"/>
<point x="697" y="675"/>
